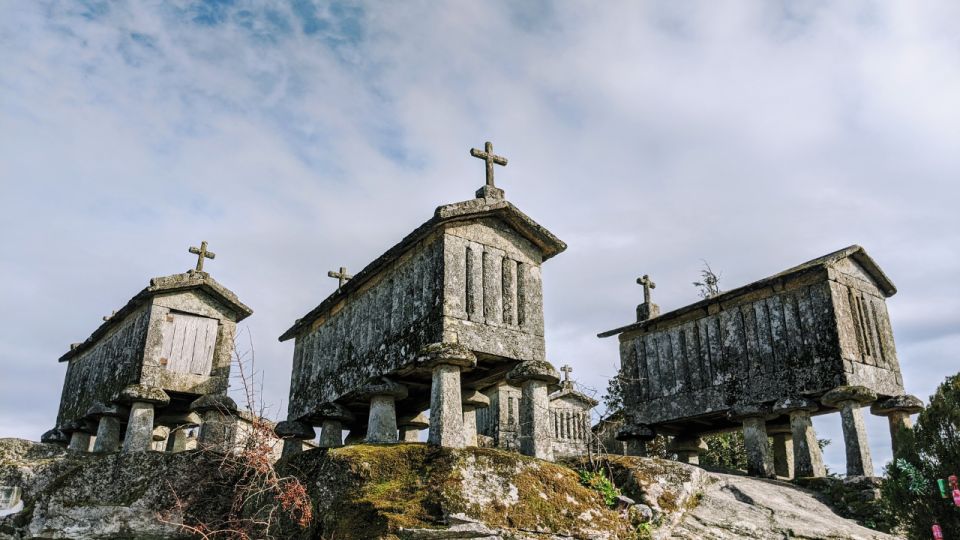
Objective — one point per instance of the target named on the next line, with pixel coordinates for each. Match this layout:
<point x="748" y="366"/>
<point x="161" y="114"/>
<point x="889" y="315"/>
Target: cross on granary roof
<point x="647" y="285"/>
<point x="566" y="372"/>
<point x="342" y="276"/>
<point x="202" y="253"/>
<point x="487" y="155"/>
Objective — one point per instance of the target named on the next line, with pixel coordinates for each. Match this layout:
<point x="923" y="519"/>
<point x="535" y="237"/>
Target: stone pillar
<point x="536" y="433"/>
<point x="218" y="422"/>
<point x="382" y="421"/>
<point x="849" y="399"/>
<point x="807" y="458"/>
<point x="782" y="435"/>
<point x="472" y="400"/>
<point x="754" y="417"/>
<point x="293" y="433"/>
<point x="688" y="448"/>
<point x="142" y="400"/>
<point x="410" y="427"/>
<point x="898" y="410"/>
<point x="160" y="434"/>
<point x="446" y="360"/>
<point x="331" y="417"/>
<point x="636" y="437"/>
<point x="107" y="417"/>
<point x="79" y="436"/>
<point x="178" y="439"/>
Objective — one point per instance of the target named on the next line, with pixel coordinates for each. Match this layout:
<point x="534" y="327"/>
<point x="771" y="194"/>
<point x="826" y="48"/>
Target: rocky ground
<point x="413" y="491"/>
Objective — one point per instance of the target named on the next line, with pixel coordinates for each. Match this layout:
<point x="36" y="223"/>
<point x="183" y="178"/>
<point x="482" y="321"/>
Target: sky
<point x="298" y="137"/>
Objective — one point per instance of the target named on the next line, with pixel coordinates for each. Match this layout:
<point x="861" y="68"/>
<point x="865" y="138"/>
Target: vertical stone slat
<point x="522" y="288"/>
<point x="492" y="286"/>
<point x="509" y="288"/>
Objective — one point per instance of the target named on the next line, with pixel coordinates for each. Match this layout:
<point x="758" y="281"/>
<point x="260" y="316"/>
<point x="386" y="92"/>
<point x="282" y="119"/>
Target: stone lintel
<point x="844" y="394"/>
<point x="139" y="393"/>
<point x="533" y="370"/>
<point x="903" y="404"/>
<point x="213" y="402"/>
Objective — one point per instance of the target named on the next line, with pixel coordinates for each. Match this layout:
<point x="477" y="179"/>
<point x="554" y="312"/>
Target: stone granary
<point x="765" y="357"/>
<point x="569" y="417"/>
<point x="158" y="364"/>
<point x="454" y="307"/>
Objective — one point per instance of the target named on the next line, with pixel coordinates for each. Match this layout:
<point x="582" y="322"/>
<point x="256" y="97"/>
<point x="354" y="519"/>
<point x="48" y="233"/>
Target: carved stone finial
<point x="648" y="284"/>
<point x="201" y="254"/>
<point x="489" y="190"/>
<point x="342" y="276"/>
<point x="647" y="310"/>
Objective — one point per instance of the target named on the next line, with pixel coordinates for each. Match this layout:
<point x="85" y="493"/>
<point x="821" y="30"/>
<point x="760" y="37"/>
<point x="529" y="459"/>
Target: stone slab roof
<point x="570" y="392"/>
<point x="160" y="285"/>
<point x="855" y="252"/>
<point x="548" y="244"/>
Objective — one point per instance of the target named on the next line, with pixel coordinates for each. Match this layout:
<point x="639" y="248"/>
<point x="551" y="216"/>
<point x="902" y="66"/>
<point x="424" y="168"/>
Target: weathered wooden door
<point x="188" y="343"/>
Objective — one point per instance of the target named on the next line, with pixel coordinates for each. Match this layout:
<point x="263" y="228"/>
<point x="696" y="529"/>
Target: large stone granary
<point x="447" y="311"/>
<point x="150" y="363"/>
<point x="813" y="339"/>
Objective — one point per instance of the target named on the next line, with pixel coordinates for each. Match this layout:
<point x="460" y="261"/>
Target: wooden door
<point x="188" y="343"/>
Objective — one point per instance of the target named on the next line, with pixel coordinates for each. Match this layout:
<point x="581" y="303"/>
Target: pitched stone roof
<point x="160" y="285"/>
<point x="855" y="252"/>
<point x="473" y="209"/>
<point x="570" y="392"/>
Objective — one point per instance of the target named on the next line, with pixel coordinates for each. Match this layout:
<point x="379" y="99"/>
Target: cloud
<point x="297" y="138"/>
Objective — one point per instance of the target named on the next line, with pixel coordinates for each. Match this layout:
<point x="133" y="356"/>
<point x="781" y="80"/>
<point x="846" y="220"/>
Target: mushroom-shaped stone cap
<point x="77" y="425"/>
<point x="140" y="393"/>
<point x="840" y="394"/>
<point x="748" y="410"/>
<point x="453" y="354"/>
<point x="472" y="398"/>
<point x="54" y="436"/>
<point x="905" y="403"/>
<point x="789" y="404"/>
<point x="332" y="411"/>
<point x="214" y="402"/>
<point x="291" y="429"/>
<point x="100" y="409"/>
<point x="533" y="370"/>
<point x="383" y="387"/>
<point x="687" y="444"/>
<point x="635" y="432"/>
<point x="419" y="421"/>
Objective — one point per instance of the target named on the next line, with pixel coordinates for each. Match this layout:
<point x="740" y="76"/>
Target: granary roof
<point x="478" y="208"/>
<point x="855" y="252"/>
<point x="159" y="285"/>
<point x="571" y="392"/>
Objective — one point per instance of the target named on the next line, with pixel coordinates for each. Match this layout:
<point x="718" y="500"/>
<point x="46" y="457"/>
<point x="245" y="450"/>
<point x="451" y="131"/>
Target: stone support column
<point x="446" y="360"/>
<point x="332" y="417"/>
<point x="180" y="425"/>
<point x="807" y="458"/>
<point x="472" y="400"/>
<point x="536" y="432"/>
<point x="782" y="436"/>
<point x="636" y="437"/>
<point x="382" y="421"/>
<point x="293" y="433"/>
<point x="898" y="410"/>
<point x="79" y="436"/>
<point x="410" y="427"/>
<point x="178" y="439"/>
<point x="108" y="434"/>
<point x="849" y="399"/>
<point x="754" y="418"/>
<point x="142" y="401"/>
<point x="218" y="422"/>
<point x="160" y="434"/>
<point x="688" y="448"/>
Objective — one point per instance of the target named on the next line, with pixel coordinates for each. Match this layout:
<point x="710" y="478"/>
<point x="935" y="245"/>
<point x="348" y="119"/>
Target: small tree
<point x="709" y="284"/>
<point x="931" y="452"/>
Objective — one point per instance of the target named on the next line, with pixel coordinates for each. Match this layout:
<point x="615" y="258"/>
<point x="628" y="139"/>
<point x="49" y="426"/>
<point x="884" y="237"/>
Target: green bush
<point x="931" y="451"/>
<point x="598" y="480"/>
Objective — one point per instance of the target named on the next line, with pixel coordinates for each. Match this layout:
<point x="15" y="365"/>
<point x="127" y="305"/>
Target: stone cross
<point x="202" y="253"/>
<point x="566" y="373"/>
<point x="647" y="285"/>
<point x="342" y="275"/>
<point x="490" y="158"/>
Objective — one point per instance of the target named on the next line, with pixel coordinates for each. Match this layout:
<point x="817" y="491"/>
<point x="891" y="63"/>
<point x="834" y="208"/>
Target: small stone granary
<point x="814" y="339"/>
<point x="453" y="308"/>
<point x="569" y="414"/>
<point x="157" y="365"/>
